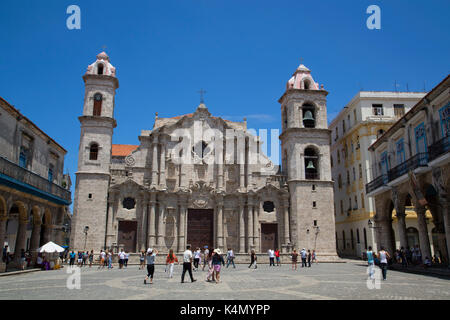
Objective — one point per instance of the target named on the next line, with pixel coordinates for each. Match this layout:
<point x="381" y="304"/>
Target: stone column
<point x="401" y="228"/>
<point x="110" y="223"/>
<point x="424" y="240"/>
<point x="35" y="237"/>
<point x="161" y="226"/>
<point x="250" y="225"/>
<point x="287" y="239"/>
<point x="20" y="239"/>
<point x="256" y="226"/>
<point x="151" y="221"/>
<point x="144" y="224"/>
<point x="3" y="220"/>
<point x="181" y="227"/>
<point x="155" y="163"/>
<point x="241" y="226"/>
<point x="162" y="171"/>
<point x="446" y="218"/>
<point x="219" y="220"/>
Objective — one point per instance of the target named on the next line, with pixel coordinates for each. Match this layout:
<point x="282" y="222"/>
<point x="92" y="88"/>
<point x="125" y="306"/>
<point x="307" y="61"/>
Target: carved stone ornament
<point x="129" y="160"/>
<point x="201" y="194"/>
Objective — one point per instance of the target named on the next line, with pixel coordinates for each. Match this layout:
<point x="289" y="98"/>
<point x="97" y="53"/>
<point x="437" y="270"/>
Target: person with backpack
<point x="217" y="260"/>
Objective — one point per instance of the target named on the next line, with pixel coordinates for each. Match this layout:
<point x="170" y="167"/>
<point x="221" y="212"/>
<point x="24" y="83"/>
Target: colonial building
<point x="34" y="192"/>
<point x="367" y="116"/>
<point x="201" y="180"/>
<point x="412" y="171"/>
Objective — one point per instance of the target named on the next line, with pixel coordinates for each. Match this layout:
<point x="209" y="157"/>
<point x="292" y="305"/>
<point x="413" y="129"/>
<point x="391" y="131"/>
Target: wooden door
<point x="269" y="236"/>
<point x="127" y="235"/>
<point x="200" y="225"/>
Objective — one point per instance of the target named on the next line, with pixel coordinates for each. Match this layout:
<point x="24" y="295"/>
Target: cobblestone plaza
<point x="329" y="281"/>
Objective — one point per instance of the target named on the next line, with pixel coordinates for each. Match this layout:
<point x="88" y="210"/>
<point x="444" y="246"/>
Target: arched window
<point x="308" y="112"/>
<point x="100" y="69"/>
<point x="380" y="133"/>
<point x="365" y="238"/>
<point x="306" y="84"/>
<point x="311" y="164"/>
<point x="201" y="149"/>
<point x="93" y="152"/>
<point x="98" y="98"/>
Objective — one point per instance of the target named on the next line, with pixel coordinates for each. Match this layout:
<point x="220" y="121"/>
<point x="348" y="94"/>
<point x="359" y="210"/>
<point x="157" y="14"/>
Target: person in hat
<point x="217" y="260"/>
<point x="151" y="255"/>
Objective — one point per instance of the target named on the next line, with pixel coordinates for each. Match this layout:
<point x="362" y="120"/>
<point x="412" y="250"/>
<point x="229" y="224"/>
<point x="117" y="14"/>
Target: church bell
<point x="308" y="116"/>
<point x="310" y="165"/>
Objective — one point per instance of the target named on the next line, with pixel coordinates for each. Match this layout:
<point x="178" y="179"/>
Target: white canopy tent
<point x="51" y="247"/>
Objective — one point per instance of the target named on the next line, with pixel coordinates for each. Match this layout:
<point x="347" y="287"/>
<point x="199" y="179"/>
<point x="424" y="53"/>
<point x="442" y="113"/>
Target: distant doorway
<point x="127" y="235"/>
<point x="200" y="224"/>
<point x="269" y="236"/>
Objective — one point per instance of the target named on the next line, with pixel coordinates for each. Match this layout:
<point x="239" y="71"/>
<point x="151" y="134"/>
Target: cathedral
<point x="201" y="180"/>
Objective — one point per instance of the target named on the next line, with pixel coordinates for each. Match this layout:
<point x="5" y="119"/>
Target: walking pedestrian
<point x="277" y="256"/>
<point x="403" y="257"/>
<point x="151" y="255"/>
<point x="230" y="258"/>
<point x="294" y="257"/>
<point x="197" y="256"/>
<point x="187" y="264"/>
<point x="253" y="259"/>
<point x="125" y="261"/>
<point x="205" y="257"/>
<point x="23" y="259"/>
<point x="210" y="267"/>
<point x="85" y="257"/>
<point x="384" y="256"/>
<point x="102" y="259"/>
<point x="217" y="260"/>
<point x="121" y="255"/>
<point x="110" y="266"/>
<point x="80" y="258"/>
<point x="170" y="261"/>
<point x="72" y="256"/>
<point x="142" y="260"/>
<point x="91" y="258"/>
<point x="370" y="262"/>
<point x="314" y="258"/>
<point x="271" y="257"/>
<point x="303" y="255"/>
<point x="309" y="258"/>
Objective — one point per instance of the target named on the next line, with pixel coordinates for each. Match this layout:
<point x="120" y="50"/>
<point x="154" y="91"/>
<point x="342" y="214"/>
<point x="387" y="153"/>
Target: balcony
<point x="439" y="148"/>
<point x="24" y="180"/>
<point x="375" y="184"/>
<point x="419" y="160"/>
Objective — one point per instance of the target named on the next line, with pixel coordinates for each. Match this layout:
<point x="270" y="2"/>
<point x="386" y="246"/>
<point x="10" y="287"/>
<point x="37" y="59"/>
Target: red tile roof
<point x="122" y="150"/>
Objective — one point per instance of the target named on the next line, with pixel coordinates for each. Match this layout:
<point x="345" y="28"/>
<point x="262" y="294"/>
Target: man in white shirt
<point x="271" y="253"/>
<point x="303" y="255"/>
<point x="121" y="258"/>
<point x="187" y="264"/>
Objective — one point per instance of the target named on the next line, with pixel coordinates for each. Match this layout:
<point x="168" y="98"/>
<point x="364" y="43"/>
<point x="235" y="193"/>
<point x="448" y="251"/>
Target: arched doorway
<point x="412" y="234"/>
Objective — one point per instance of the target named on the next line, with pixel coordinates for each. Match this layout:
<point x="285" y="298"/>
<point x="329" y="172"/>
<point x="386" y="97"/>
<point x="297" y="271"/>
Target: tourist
<point x="384" y="256"/>
<point x="142" y="260"/>
<point x="309" y="258"/>
<point x="253" y="259"/>
<point x="72" y="257"/>
<point x="187" y="264"/>
<point x="91" y="258"/>
<point x="217" y="259"/>
<point x="427" y="263"/>
<point x="230" y="257"/>
<point x="403" y="257"/>
<point x="151" y="255"/>
<point x="170" y="261"/>
<point x="205" y="257"/>
<point x="210" y="266"/>
<point x="294" y="257"/>
<point x="370" y="262"/>
<point x="125" y="260"/>
<point x="23" y="259"/>
<point x="102" y="259"/>
<point x="303" y="255"/>
<point x="314" y="257"/>
<point x="418" y="254"/>
<point x="277" y="257"/>
<point x="85" y="257"/>
<point x="110" y="266"/>
<point x="271" y="257"/>
<point x="121" y="258"/>
<point x="197" y="256"/>
<point x="80" y="259"/>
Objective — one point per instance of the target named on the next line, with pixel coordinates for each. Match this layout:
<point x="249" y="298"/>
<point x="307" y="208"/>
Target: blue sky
<point x="241" y="52"/>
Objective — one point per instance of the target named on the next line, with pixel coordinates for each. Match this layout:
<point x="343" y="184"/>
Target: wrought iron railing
<point x="16" y="172"/>
<point x="375" y="184"/>
<point x="419" y="160"/>
<point x="439" y="148"/>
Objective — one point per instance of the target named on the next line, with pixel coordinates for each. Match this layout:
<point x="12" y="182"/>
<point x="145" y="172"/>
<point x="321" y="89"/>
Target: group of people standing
<point x="307" y="257"/>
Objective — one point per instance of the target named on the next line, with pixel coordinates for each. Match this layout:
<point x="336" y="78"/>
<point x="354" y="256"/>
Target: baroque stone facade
<point x="201" y="180"/>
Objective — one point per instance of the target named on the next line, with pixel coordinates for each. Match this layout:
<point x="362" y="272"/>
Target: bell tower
<point x="94" y="156"/>
<point x="305" y="147"/>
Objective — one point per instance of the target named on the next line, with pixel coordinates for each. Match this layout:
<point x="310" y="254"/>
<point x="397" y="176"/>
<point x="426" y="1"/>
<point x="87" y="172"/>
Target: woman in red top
<point x="277" y="256"/>
<point x="170" y="260"/>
